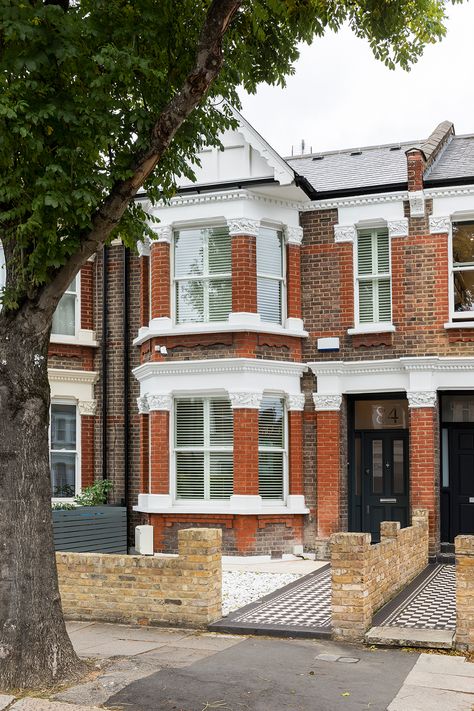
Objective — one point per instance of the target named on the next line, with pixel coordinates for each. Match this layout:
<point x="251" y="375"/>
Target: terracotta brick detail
<point x="87" y="450"/>
<point x="295" y="436"/>
<point x="293" y="280"/>
<point x="244" y="274"/>
<point x="424" y="465"/>
<point x="160" y="278"/>
<point x="328" y="467"/>
<point x="87" y="292"/>
<point x="159" y="446"/>
<point x="246" y="451"/>
<point x="144" y="291"/>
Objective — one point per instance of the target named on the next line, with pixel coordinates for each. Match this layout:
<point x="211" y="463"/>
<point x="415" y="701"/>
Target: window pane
<point x="463" y="243"/>
<point x="457" y="408"/>
<point x="358" y="466"/>
<point x="383" y="253"/>
<point x="366" y="302"/>
<point x="189" y="253"/>
<point x="63" y="427"/>
<point x="269" y="299"/>
<point x="221" y="424"/>
<point x="445" y="458"/>
<point x="189" y="423"/>
<point x="190" y="475"/>
<point x="221" y="475"/>
<point x="270" y="423"/>
<point x="385" y="302"/>
<point x="364" y="254"/>
<point x="220" y="299"/>
<point x="398" y="467"/>
<point x="64" y="318"/>
<point x="269" y="252"/>
<point x="63" y="474"/>
<point x="464" y="291"/>
<point x="189" y="301"/>
<point x="377" y="467"/>
<point x="220" y="257"/>
<point x="270" y="475"/>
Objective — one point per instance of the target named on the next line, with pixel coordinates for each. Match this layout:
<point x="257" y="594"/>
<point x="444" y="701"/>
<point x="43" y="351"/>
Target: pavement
<point x="150" y="669"/>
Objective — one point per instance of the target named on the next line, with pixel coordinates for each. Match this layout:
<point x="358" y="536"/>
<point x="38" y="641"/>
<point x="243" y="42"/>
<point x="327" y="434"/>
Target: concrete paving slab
<point x="445" y="664"/>
<point x="446" y="681"/>
<point x="176" y="657"/>
<point x="297" y="567"/>
<point x="105" y="632"/>
<point x="416" y="698"/>
<point x="32" y="704"/>
<point x="5" y="701"/>
<point x="74" y="626"/>
<point x="114" y="648"/>
<point x="209" y="642"/>
<point x="406" y="637"/>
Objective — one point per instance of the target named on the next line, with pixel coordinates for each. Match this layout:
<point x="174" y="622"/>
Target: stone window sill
<point x="155" y="503"/>
<point x="84" y="337"/>
<point x="459" y="324"/>
<point x="368" y="328"/>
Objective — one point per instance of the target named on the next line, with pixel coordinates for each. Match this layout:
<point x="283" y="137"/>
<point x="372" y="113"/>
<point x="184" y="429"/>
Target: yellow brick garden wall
<point x="464" y="548"/>
<point x="147" y="590"/>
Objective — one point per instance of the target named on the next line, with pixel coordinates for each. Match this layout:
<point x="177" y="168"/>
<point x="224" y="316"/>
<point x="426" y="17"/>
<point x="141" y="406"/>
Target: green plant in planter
<point x="63" y="506"/>
<point x="94" y="495"/>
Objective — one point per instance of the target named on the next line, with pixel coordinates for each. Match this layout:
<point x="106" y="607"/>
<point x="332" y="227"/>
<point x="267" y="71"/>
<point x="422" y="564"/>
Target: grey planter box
<point x="91" y="529"/>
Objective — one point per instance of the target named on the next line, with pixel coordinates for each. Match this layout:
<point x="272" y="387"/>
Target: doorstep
<point x="404" y="637"/>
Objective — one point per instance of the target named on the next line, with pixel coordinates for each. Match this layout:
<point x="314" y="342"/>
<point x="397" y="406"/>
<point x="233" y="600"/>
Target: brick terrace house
<point x="300" y="342"/>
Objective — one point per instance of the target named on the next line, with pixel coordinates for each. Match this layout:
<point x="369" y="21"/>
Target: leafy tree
<point x="99" y="98"/>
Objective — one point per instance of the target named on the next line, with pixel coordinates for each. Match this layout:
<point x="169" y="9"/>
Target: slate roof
<point x="378" y="166"/>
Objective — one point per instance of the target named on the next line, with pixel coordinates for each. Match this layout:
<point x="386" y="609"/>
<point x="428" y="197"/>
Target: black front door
<point x="384" y="464"/>
<point x="461" y="474"/>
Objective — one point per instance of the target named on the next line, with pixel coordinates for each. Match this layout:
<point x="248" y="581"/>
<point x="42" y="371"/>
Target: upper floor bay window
<point x="202" y="274"/>
<point x="65" y="318"/>
<point x="270" y="275"/>
<point x="204" y="442"/>
<point x="373" y="279"/>
<point x="463" y="270"/>
<point x="63" y="453"/>
<point x="271" y="448"/>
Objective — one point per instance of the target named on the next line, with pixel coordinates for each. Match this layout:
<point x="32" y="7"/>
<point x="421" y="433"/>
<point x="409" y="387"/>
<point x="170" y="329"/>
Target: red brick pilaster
<point x="244" y="264"/>
<point x="160" y="276"/>
<point x="424" y="485"/>
<point x="87" y="450"/>
<point x="87" y="291"/>
<point x="245" y="451"/>
<point x="295" y="458"/>
<point x="293" y="277"/>
<point x="159" y="445"/>
<point x="144" y="290"/>
<point x="328" y="464"/>
<point x="144" y="453"/>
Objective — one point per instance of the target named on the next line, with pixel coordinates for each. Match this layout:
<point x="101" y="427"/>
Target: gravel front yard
<point x="240" y="588"/>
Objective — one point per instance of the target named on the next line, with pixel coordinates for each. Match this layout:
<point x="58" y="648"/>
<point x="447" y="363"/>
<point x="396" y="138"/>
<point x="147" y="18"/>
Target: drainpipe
<point x="126" y="375"/>
<point x="105" y="255"/>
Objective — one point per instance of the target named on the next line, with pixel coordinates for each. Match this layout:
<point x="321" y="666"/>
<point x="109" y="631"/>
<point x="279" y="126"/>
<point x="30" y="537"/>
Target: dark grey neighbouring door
<point x="384" y="479"/>
<point x="461" y="469"/>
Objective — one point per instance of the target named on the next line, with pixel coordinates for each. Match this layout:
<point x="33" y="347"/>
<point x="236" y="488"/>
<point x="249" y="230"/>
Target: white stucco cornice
<point x="354" y="201"/>
<point x="221" y="365"/>
<point x="225" y="196"/>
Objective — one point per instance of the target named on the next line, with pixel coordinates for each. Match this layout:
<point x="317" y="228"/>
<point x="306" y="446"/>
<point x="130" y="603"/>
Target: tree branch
<point x="207" y="65"/>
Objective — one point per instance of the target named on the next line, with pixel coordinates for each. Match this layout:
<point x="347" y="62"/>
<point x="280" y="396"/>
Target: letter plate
<point x="388" y="501"/>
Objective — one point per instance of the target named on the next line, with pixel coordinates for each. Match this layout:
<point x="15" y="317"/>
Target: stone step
<point x="446" y="558"/>
<point x="410" y="637"/>
<point x="447" y="548"/>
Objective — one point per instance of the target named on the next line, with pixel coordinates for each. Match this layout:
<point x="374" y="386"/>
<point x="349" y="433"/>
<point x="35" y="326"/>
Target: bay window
<point x="373" y="287"/>
<point x="271" y="448"/>
<point x="63" y="452"/>
<point x="270" y="275"/>
<point x="462" y="278"/>
<point x="65" y="317"/>
<point x="202" y="274"/>
<point x="204" y="439"/>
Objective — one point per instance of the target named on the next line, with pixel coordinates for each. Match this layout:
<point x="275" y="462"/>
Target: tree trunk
<point x="35" y="650"/>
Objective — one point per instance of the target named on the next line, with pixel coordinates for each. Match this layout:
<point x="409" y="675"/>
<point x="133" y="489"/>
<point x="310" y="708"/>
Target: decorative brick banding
<point x="146" y="590"/>
<point x="365" y="576"/>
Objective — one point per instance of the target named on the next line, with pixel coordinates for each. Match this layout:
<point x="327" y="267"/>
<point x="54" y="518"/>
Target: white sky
<point x="341" y="97"/>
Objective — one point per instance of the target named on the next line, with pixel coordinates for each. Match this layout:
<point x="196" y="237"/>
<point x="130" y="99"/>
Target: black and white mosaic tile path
<point x="429" y="602"/>
<point x="302" y="608"/>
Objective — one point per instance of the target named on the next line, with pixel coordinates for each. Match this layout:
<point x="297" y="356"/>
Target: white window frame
<point x="204" y="277"/>
<point x="67" y="338"/>
<point x="273" y="502"/>
<point x="459" y="317"/>
<point x="174" y="449"/>
<point x="78" y="451"/>
<point x="370" y="325"/>
<point x="282" y="279"/>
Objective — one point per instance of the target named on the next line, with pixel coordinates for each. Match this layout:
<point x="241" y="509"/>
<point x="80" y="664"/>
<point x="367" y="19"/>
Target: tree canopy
<point x="85" y="83"/>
